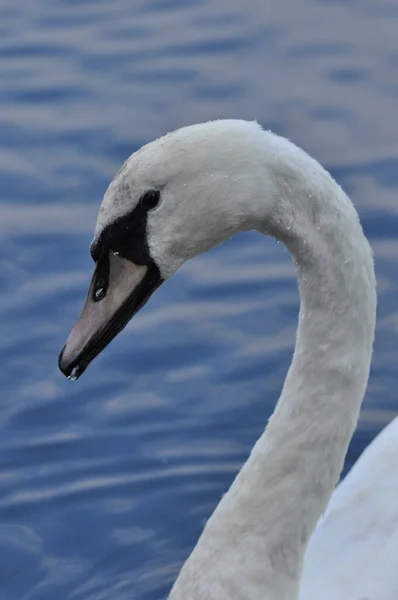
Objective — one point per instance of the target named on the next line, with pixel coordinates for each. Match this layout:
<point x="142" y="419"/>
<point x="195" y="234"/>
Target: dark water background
<point x="105" y="484"/>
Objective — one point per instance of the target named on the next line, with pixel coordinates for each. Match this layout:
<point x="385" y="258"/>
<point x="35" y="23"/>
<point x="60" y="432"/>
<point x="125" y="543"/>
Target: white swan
<point x="182" y="195"/>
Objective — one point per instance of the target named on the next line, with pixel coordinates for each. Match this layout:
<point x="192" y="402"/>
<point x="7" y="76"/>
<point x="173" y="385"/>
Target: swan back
<point x="352" y="552"/>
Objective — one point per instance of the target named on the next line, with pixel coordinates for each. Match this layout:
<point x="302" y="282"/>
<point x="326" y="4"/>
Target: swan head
<point x="173" y="199"/>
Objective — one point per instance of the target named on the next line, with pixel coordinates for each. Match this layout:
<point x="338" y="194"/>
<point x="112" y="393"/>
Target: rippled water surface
<point x="105" y="484"/>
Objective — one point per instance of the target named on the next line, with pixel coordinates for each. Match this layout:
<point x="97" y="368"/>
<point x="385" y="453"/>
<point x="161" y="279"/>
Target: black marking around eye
<point x="127" y="235"/>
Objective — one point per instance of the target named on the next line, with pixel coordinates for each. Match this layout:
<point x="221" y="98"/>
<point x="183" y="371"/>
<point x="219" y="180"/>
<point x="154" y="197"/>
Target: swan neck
<point x="255" y="541"/>
<point x="301" y="453"/>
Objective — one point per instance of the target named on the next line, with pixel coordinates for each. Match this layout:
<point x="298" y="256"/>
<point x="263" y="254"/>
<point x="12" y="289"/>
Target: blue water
<point x="105" y="484"/>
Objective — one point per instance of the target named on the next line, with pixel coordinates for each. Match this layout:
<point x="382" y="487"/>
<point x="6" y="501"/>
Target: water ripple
<point x="106" y="484"/>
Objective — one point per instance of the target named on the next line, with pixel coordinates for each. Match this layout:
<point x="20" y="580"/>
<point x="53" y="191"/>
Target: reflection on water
<point x="106" y="484"/>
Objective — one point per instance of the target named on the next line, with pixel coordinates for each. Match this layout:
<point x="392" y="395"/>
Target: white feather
<point x="220" y="178"/>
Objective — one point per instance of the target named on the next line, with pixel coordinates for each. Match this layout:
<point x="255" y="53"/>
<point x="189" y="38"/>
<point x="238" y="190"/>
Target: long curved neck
<point x="253" y="545"/>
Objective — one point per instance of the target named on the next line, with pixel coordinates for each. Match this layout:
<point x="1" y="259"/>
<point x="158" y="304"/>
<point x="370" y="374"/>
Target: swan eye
<point x="150" y="199"/>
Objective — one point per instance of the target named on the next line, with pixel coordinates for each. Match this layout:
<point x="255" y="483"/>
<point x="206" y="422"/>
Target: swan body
<point x="354" y="548"/>
<point x="182" y="195"/>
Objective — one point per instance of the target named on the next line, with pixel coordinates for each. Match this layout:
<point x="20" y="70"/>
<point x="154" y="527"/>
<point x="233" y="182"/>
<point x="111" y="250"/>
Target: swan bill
<point x="118" y="289"/>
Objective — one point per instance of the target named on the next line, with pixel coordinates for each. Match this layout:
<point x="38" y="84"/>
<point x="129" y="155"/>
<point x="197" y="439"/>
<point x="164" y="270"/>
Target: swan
<point x="270" y="537"/>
